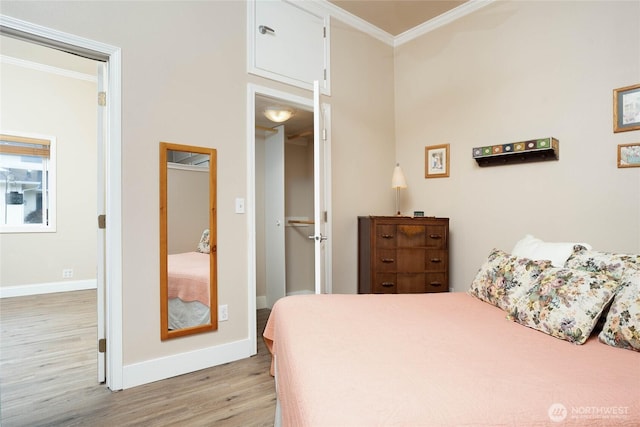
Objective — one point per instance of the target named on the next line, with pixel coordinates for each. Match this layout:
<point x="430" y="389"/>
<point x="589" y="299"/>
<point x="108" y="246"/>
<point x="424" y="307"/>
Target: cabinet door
<point x="288" y="44"/>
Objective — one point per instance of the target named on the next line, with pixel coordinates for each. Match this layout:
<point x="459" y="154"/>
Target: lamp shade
<point x="278" y="114"/>
<point x="398" y="180"/>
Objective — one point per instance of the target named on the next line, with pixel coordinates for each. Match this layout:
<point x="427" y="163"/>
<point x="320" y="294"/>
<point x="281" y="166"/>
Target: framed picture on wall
<point x="626" y="108"/>
<point x="629" y="155"/>
<point x="436" y="161"/>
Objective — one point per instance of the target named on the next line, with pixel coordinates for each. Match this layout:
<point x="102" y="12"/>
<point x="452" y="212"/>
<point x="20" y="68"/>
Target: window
<point x="27" y="183"/>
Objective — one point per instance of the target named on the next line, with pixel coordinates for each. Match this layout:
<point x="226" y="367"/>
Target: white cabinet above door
<point x="288" y="42"/>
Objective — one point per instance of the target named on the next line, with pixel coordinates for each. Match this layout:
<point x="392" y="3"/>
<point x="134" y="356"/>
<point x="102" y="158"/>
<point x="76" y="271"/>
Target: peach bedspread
<point x="189" y="274"/>
<point x="439" y="360"/>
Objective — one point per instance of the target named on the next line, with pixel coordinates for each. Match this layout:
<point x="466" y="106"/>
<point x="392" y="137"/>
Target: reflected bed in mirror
<point x="188" y="251"/>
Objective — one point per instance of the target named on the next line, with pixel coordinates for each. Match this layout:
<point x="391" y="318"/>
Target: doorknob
<point x="320" y="237"/>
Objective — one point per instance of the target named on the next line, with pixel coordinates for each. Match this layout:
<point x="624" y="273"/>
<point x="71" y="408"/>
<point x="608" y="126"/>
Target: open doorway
<point x="109" y="197"/>
<point x="50" y="92"/>
<point x="284" y="207"/>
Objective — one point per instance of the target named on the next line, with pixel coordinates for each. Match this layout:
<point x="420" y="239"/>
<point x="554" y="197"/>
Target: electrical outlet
<point x="67" y="273"/>
<point x="223" y="313"/>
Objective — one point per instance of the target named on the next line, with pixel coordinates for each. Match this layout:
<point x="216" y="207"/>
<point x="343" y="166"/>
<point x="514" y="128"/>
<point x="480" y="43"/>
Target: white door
<point x="101" y="209"/>
<point x="274" y="216"/>
<point x="321" y="176"/>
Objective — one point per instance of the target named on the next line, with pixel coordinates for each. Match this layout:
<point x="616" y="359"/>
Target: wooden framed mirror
<point x="188" y="240"/>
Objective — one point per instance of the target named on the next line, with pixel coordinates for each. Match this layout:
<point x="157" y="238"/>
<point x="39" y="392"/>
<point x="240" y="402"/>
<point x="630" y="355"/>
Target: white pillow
<point x="535" y="249"/>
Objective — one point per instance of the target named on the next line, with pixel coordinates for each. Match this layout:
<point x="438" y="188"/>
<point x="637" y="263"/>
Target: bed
<point x="188" y="289"/>
<point x="471" y="358"/>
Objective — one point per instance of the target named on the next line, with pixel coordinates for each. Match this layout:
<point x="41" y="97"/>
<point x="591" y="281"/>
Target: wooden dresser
<point x="398" y="255"/>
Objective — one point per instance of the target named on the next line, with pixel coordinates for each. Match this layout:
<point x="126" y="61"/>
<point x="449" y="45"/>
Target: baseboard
<point x="47" y="288"/>
<point x="178" y="364"/>
<point x="261" y="302"/>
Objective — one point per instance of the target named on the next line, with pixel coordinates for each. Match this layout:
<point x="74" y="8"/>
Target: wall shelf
<point x="535" y="150"/>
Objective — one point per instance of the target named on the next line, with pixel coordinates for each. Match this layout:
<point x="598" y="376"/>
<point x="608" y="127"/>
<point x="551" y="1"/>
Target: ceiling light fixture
<point x="278" y="114"/>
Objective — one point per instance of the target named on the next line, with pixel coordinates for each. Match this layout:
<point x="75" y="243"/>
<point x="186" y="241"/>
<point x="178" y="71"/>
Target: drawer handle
<point x="387" y="236"/>
<point x="387" y="260"/>
<point x="436" y="260"/>
<point x="435" y="236"/>
<point x="387" y="284"/>
<point x="436" y="284"/>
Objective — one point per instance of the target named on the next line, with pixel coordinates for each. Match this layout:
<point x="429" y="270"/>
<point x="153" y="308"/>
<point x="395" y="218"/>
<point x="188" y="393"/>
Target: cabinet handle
<point x="435" y="236"/>
<point x="264" y="29"/>
<point x="387" y="284"/>
<point x="387" y="260"/>
<point x="387" y="236"/>
<point x="436" y="284"/>
<point x="436" y="260"/>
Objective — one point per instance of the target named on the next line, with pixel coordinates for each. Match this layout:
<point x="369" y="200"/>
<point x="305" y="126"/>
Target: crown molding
<point x="441" y="20"/>
<point x="370" y="29"/>
<point x="357" y="22"/>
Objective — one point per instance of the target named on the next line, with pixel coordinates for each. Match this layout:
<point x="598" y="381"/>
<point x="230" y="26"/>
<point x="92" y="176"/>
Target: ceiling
<point x="397" y="16"/>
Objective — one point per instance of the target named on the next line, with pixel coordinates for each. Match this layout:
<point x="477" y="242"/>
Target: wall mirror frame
<point x="188" y="263"/>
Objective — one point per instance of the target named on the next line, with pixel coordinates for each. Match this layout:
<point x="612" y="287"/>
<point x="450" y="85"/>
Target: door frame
<point x="252" y="91"/>
<point x="113" y="179"/>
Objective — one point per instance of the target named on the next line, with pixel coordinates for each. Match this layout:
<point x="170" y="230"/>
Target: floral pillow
<point x="203" y="245"/>
<point x="622" y="327"/>
<point x="565" y="303"/>
<point x="610" y="263"/>
<point x="503" y="279"/>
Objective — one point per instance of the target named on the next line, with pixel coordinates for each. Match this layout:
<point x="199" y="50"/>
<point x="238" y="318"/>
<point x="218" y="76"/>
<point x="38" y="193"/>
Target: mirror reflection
<point x="188" y="286"/>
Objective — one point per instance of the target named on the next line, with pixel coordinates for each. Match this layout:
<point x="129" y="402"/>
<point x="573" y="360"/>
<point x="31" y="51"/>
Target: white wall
<point x="514" y="71"/>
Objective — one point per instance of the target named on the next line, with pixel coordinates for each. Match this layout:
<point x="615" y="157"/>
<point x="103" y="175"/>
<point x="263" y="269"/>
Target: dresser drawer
<point x="385" y="236"/>
<point x="436" y="282"/>
<point x="411" y="236"/>
<point x="436" y="260"/>
<point x="410" y="283"/>
<point x="385" y="283"/>
<point x="385" y="260"/>
<point x="436" y="236"/>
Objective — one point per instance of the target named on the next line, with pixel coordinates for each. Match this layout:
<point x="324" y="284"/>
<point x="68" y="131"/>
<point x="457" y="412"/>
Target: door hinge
<point x="324" y="32"/>
<point x="102" y="99"/>
<point x="102" y="221"/>
<point x="102" y="345"/>
<point x="324" y="74"/>
<point x="324" y="134"/>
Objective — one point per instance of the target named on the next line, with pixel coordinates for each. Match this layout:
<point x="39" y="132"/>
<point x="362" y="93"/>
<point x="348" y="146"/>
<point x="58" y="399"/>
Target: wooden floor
<point x="48" y="375"/>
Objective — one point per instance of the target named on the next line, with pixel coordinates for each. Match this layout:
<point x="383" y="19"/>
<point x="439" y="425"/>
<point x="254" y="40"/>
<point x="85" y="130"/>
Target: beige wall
<point x="39" y="102"/>
<point x="514" y="71"/>
<point x="362" y="146"/>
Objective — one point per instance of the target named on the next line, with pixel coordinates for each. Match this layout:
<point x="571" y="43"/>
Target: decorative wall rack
<point x="535" y="150"/>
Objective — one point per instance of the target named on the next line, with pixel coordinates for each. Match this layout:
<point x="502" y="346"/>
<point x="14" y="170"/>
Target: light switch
<point x="239" y="205"/>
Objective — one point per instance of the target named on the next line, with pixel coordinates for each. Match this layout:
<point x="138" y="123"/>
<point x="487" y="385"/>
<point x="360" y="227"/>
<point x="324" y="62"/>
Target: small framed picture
<point x="436" y="161"/>
<point x="629" y="155"/>
<point x="626" y="108"/>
